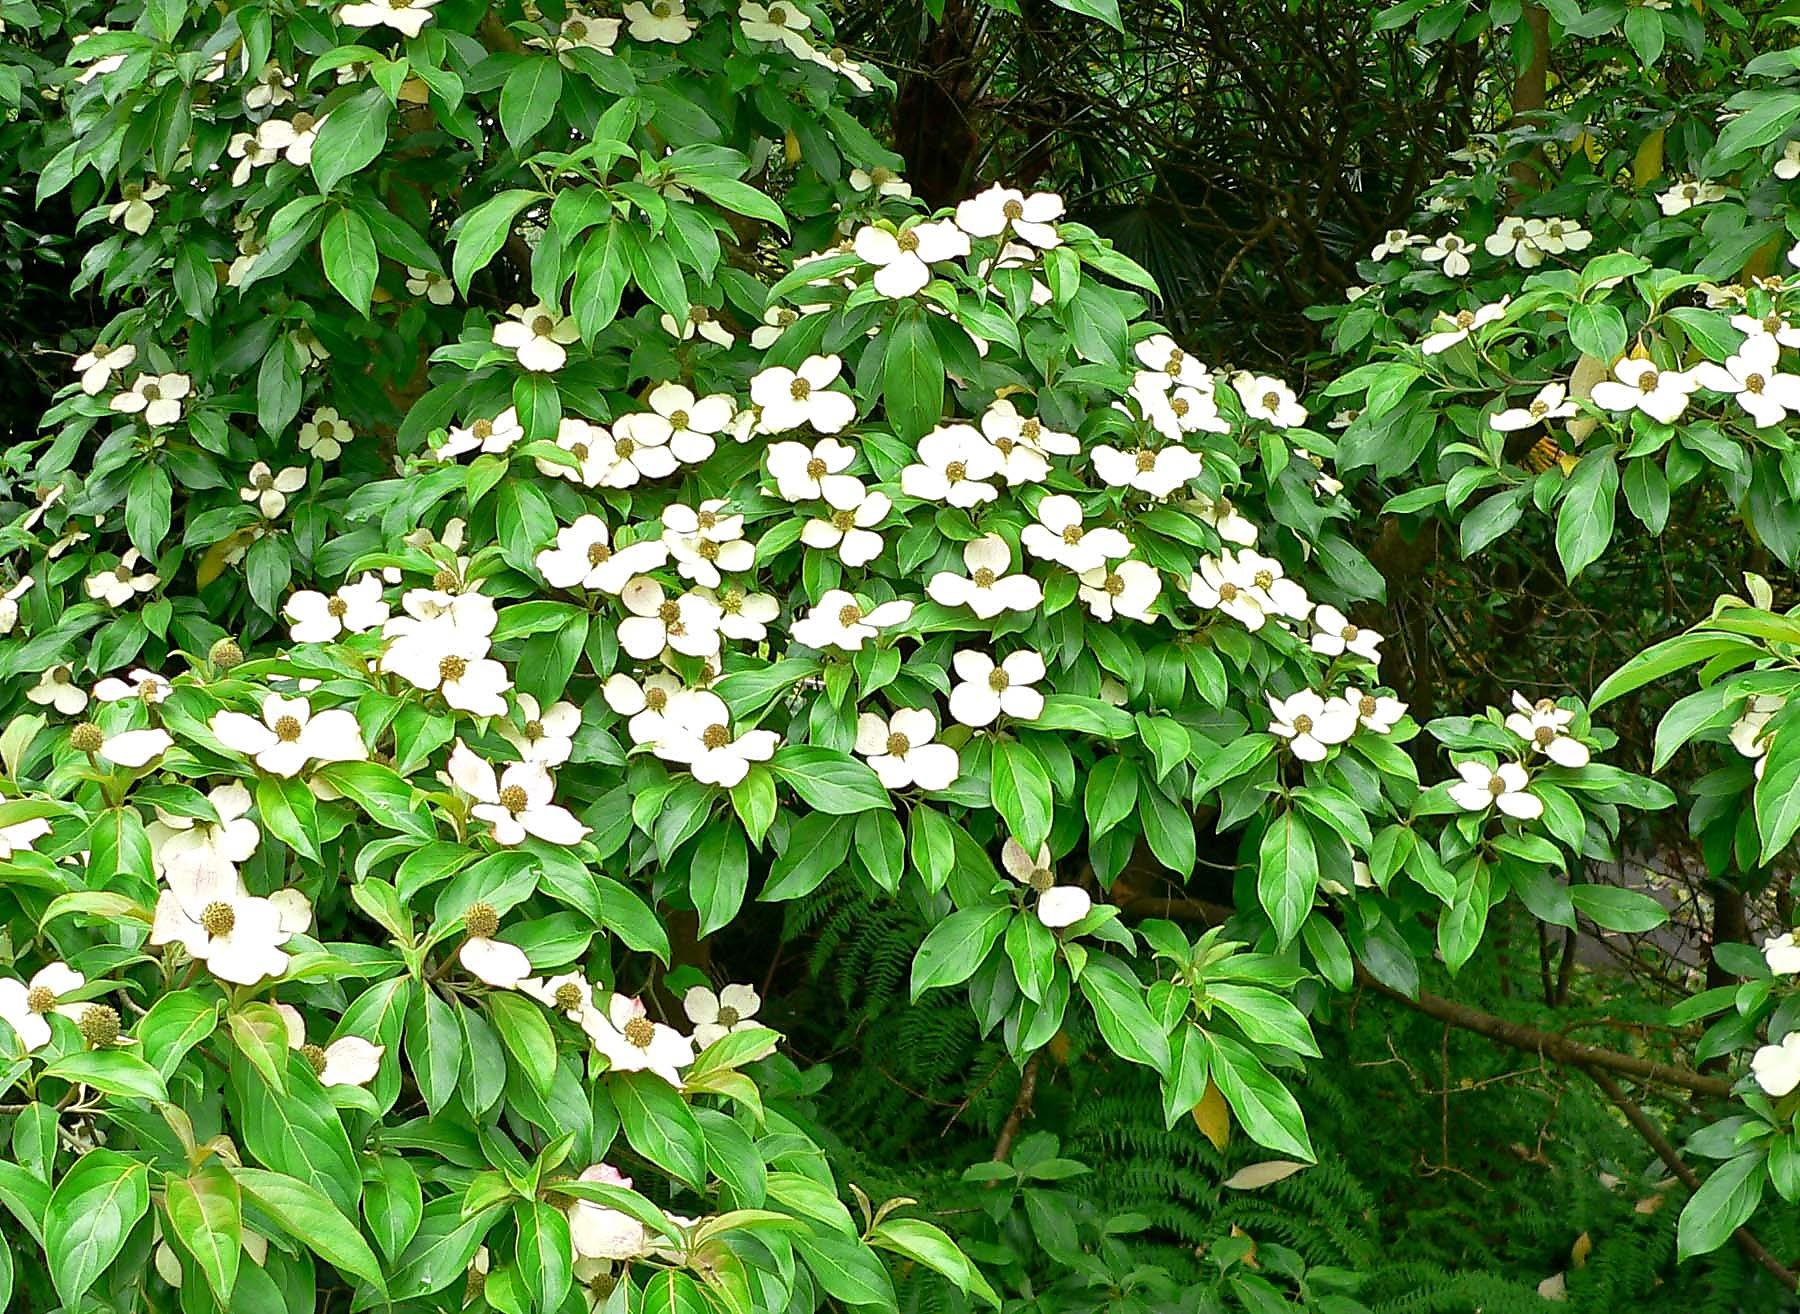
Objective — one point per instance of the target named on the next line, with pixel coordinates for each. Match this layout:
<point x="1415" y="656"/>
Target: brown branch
<point x="1548" y="1043"/>
<point x="1666" y="1151"/>
<point x="1021" y="1109"/>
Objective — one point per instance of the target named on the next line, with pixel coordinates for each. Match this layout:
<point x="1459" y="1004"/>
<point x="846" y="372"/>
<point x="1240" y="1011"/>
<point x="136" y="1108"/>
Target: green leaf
<point x="1672" y="655"/>
<point x="1112" y="793"/>
<point x="1723" y="1204"/>
<point x="288" y="812"/>
<point x="311" y="1218"/>
<point x="482" y="232"/>
<point x="738" y="197"/>
<point x="206" y="1217"/>
<point x="112" y="1071"/>
<point x="1644" y="30"/>
<point x="829" y="781"/>
<point x="1584" y="523"/>
<point x="1021" y="792"/>
<point x="846" y="1269"/>
<point x="1117" y="998"/>
<point x="91" y="1212"/>
<point x="351" y="137"/>
<point x="659" y="1124"/>
<point x="527" y="1036"/>
<point x="347" y="248"/>
<point x="1597" y="329"/>
<point x="817" y="845"/>
<point x="719" y="875"/>
<point x="1617" y="909"/>
<point x="1767" y="120"/>
<point x="1107" y="11"/>
<point x="1778" y="795"/>
<point x="528" y="100"/>
<point x="1265" y="1107"/>
<point x="912" y="376"/>
<point x="956" y="946"/>
<point x="543" y="1253"/>
<point x="434" y="1047"/>
<point x="1287" y="874"/>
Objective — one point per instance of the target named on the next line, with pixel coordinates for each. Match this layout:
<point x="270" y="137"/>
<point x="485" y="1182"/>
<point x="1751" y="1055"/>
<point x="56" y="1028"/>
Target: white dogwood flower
<point x="1772" y="325"/>
<point x="99" y="363"/>
<point x="489" y="960"/>
<point x="691" y="422"/>
<point x="688" y="624"/>
<point x="802" y="472"/>
<point x="628" y="1038"/>
<point x="293" y="138"/>
<point x="849" y="529"/>
<point x="699" y="322"/>
<point x="516" y="803"/>
<point x="1157" y="471"/>
<point x="547" y="735"/>
<point x="1031" y="218"/>
<point x="645" y="704"/>
<point x="269" y="489"/>
<point x="1024" y="443"/>
<point x="1225" y="519"/>
<point x="355" y="608"/>
<point x="1557" y="236"/>
<point x="705" y="541"/>
<point x="901" y="751"/>
<point x="495" y="435"/>
<point x="659" y="20"/>
<point x="743" y="616"/>
<point x="1660" y="394"/>
<point x="987" y="590"/>
<point x="146" y="686"/>
<point x="431" y="285"/>
<point x="238" y="936"/>
<point x="1216" y="585"/>
<point x="791" y="398"/>
<point x="157" y="397"/>
<point x="204" y="849"/>
<point x="1452" y="251"/>
<point x="598" y="1234"/>
<point x="954" y="462"/>
<point x="585" y="558"/>
<point x="1684" y="196"/>
<point x="121" y="584"/>
<point x="903" y="259"/>
<point x="1781" y="954"/>
<point x="1334" y="635"/>
<point x="134" y="210"/>
<point x="1159" y="353"/>
<point x="1377" y="712"/>
<point x="1057" y="905"/>
<point x="407" y="17"/>
<point x="717" y="1016"/>
<point x="1060" y="536"/>
<point x="1544" y="732"/>
<point x="1777" y="1067"/>
<point x="1311" y="724"/>
<point x="56" y="688"/>
<point x="326" y="435"/>
<point x="1268" y="398"/>
<point x="1752" y="376"/>
<point x="289" y="735"/>
<point x="839" y="620"/>
<point x="25" y="1005"/>
<point x="780" y="22"/>
<point x="1278" y="595"/>
<point x="1483" y="787"/>
<point x="989" y="689"/>
<point x="1394" y="242"/>
<point x="883" y="182"/>
<point x="537" y="334"/>
<point x="346" y="1061"/>
<point x="107" y="583"/>
<point x="1552" y="402"/>
<point x="1128" y="589"/>
<point x="1448" y="329"/>
<point x="1517" y="238"/>
<point x="451" y="659"/>
<point x="636" y="449"/>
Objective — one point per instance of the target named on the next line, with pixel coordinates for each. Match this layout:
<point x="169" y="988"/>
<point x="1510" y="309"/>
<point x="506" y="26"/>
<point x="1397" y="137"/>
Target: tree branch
<point x="1666" y="1151"/>
<point x="1021" y="1109"/>
<point x="1548" y="1043"/>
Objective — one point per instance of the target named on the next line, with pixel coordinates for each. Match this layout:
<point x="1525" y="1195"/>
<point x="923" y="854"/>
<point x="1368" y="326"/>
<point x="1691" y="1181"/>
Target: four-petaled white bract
<point x="789" y="399"/>
<point x="1060" y="536"/>
<point x="1641" y="385"/>
<point x="1057" y="905"/>
<point x="517" y="802"/>
<point x="25" y="1005"/>
<point x="839" y="620"/>
<point x="987" y="589"/>
<point x="1505" y="787"/>
<point x="1777" y="1067"/>
<point x="625" y="1034"/>
<point x="989" y="689"/>
<point x="901" y="750"/>
<point x="290" y="735"/>
<point x="713" y="1016"/>
<point x="1311" y="724"/>
<point x="999" y="209"/>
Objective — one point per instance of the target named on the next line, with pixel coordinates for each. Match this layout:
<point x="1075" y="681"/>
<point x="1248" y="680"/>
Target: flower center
<point x="575" y="29"/>
<point x="908" y="241"/>
<point x="514" y="799"/>
<point x="1013" y="210"/>
<point x="655" y="699"/>
<point x="1004" y="446"/>
<point x="1030" y="429"/>
<point x="1465" y="319"/>
<point x="983" y="577"/>
<point x="263" y="481"/>
<point x="1496" y="786"/>
<point x="1544" y="736"/>
<point x="40" y="999"/>
<point x="1115" y="584"/>
<point x="542" y="326"/>
<point x="287" y="729"/>
<point x="815" y="468"/>
<point x="122" y="573"/>
<point x="1264" y="579"/>
<point x="534" y="731"/>
<point x="640" y="1031"/>
<point x="87" y="738"/>
<point x="218" y="918"/>
<point x="731" y="601"/>
<point x="956" y="472"/>
<point x="579" y="451"/>
<point x="99" y="1025"/>
<point x="1539" y="408"/>
<point x="1649" y="381"/>
<point x="679" y="420"/>
<point x="482" y="429"/>
<point x="1772" y="324"/>
<point x="715" y="736"/>
<point x="799" y="389"/>
<point x="669" y="613"/>
<point x="337" y="607"/>
<point x="1227" y="591"/>
<point x="598" y="554"/>
<point x="303" y="123"/>
<point x="998" y="680"/>
<point x="314" y="1056"/>
<point x="451" y="669"/>
<point x="843" y="521"/>
<point x="568" y="996"/>
<point x="151" y="392"/>
<point x="1303" y="724"/>
<point x="696" y="314"/>
<point x="624" y="447"/>
<point x="444" y="581"/>
<point x="1754" y="383"/>
<point x="1180" y="406"/>
<point x="325" y="429"/>
<point x="849" y="615"/>
<point x="131" y="192"/>
<point x="1146" y="460"/>
<point x="1072" y="535"/>
<point x="1271" y="401"/>
<point x="1042" y="879"/>
<point x="878" y="176"/>
<point x="728" y="1016"/>
<point x="1348" y="633"/>
<point x="481" y="921"/>
<point x="1366" y="705"/>
<point x="897" y="746"/>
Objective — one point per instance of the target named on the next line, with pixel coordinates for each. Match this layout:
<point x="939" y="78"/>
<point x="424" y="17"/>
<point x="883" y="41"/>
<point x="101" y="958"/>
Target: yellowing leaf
<point x="1579" y="1252"/>
<point x="1648" y="162"/>
<point x="1254" y="1176"/>
<point x="1213" y="1116"/>
<point x="793" y="148"/>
